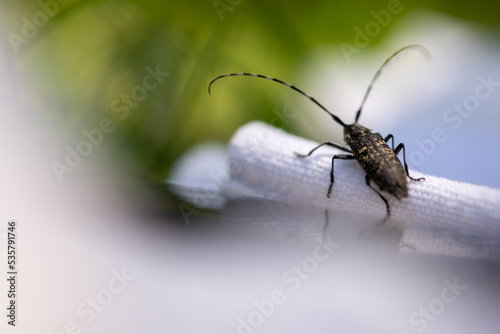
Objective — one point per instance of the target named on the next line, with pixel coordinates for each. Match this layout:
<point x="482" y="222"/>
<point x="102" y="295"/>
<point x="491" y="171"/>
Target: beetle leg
<point x="397" y="150"/>
<point x="337" y="156"/>
<point x="390" y="136"/>
<point x="340" y="147"/>
<point x="388" y="208"/>
<point x="325" y="228"/>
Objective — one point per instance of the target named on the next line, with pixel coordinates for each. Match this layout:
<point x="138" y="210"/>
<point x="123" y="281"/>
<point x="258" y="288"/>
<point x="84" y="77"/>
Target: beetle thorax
<point x="355" y="130"/>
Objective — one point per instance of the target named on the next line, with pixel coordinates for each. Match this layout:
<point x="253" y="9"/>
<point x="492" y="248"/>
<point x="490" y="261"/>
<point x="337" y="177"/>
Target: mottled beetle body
<point x="377" y="159"/>
<point x="370" y="149"/>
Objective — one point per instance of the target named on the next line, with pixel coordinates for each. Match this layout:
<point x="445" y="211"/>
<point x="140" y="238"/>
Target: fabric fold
<point x="264" y="165"/>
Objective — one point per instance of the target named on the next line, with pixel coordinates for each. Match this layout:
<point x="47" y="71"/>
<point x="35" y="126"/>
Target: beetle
<point x="370" y="149"/>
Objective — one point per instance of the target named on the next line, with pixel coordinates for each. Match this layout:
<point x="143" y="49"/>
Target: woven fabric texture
<point x="264" y="165"/>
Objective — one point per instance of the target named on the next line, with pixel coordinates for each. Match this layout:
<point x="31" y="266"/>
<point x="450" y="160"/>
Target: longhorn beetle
<point x="379" y="161"/>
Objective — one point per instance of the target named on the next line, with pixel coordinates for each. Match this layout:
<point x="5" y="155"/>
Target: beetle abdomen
<point x="380" y="163"/>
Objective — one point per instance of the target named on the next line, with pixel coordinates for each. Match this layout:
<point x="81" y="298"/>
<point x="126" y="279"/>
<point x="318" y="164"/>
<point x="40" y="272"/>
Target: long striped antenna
<point x="335" y="118"/>
<point x="420" y="48"/>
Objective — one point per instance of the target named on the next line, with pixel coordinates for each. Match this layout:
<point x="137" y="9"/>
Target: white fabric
<point x="264" y="165"/>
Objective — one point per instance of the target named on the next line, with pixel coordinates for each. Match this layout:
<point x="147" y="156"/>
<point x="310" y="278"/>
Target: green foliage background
<point x="93" y="51"/>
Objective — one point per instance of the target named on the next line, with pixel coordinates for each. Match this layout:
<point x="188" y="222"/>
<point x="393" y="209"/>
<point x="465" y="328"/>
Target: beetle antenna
<point x="413" y="46"/>
<point x="335" y="118"/>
